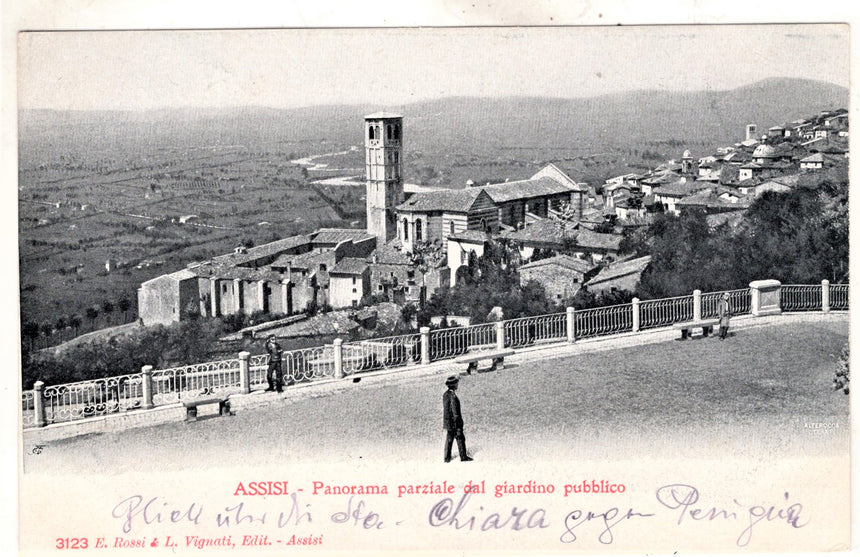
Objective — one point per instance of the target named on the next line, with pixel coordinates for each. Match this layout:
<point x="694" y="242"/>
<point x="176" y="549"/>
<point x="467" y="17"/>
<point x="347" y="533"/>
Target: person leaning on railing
<point x="275" y="374"/>
<point x="724" y="313"/>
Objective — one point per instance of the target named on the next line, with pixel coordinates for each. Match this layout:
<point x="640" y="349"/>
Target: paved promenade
<point x="756" y="391"/>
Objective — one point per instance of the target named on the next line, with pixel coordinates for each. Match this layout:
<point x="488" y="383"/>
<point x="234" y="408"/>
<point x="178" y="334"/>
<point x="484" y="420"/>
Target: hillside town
<point x="559" y="232"/>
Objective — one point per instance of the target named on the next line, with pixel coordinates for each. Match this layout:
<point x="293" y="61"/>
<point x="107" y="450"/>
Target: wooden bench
<point x="707" y="326"/>
<point x="472" y="358"/>
<point x="191" y="406"/>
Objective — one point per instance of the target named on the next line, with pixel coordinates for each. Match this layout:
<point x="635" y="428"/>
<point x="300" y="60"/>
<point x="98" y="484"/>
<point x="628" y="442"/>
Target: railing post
<point x="765" y="297"/>
<point x="39" y="404"/>
<point x="245" y="371"/>
<point x="697" y="305"/>
<point x="146" y="378"/>
<point x="338" y="358"/>
<point x="825" y="296"/>
<point x="425" y="345"/>
<point x="570" y="321"/>
<point x="500" y="335"/>
<point x="635" y="307"/>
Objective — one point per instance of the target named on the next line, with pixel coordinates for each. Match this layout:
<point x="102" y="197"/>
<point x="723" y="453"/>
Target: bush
<point x="842" y="376"/>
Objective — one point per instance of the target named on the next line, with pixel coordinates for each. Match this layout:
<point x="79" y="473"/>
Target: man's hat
<point x="453" y="380"/>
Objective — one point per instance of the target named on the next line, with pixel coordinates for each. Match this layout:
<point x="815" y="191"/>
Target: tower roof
<point x="382" y="115"/>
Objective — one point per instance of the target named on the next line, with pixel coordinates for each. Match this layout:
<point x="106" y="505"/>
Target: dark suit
<point x="452" y="422"/>
<point x="275" y="374"/>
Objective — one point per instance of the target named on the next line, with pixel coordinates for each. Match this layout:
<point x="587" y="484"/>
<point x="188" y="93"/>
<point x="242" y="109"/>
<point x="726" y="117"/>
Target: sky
<point x="301" y="67"/>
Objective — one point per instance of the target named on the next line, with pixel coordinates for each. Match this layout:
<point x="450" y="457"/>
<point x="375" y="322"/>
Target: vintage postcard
<point x="520" y="289"/>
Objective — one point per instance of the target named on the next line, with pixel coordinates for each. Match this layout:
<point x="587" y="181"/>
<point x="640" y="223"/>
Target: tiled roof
<point x="310" y="259"/>
<point x="230" y="272"/>
<point x="708" y="198"/>
<point x="817" y="157"/>
<point x="382" y="115"/>
<point x="547" y="231"/>
<point x="349" y="266"/>
<point x="470" y="236"/>
<point x="620" y="269"/>
<point x="337" y="235"/>
<point x="265" y="250"/>
<point x="182" y="274"/>
<point x="390" y="254"/>
<point x="455" y="201"/>
<point x="523" y="189"/>
<point x="564" y="261"/>
<point x="679" y="188"/>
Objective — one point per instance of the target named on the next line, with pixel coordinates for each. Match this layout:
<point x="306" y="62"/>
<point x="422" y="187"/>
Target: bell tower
<point x="383" y="144"/>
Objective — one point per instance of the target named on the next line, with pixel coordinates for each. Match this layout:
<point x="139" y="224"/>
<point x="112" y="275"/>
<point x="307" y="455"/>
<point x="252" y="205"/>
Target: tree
<point x="124" y="305"/>
<point x="107" y="309"/>
<point x="30" y="330"/>
<point x="75" y="322"/>
<point x="92" y="314"/>
<point x="47" y="329"/>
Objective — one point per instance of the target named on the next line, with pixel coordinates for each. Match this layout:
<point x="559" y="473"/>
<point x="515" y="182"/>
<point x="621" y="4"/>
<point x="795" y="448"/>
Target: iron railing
<point x="800" y="297"/>
<point x="97" y="397"/>
<point x="527" y="331"/>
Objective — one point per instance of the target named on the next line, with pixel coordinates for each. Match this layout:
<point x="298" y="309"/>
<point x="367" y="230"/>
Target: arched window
<point x="388" y="131"/>
<point x="378" y="134"/>
<point x="484" y="225"/>
<point x="418" y="232"/>
<point x="370" y="133"/>
<point x="397" y="131"/>
<point x="405" y="229"/>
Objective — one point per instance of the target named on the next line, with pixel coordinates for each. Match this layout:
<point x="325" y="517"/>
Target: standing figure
<point x="452" y="420"/>
<point x="724" y="313"/>
<point x="274" y="375"/>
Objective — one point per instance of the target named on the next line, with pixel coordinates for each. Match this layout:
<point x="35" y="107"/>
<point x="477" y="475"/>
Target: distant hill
<point x="450" y="125"/>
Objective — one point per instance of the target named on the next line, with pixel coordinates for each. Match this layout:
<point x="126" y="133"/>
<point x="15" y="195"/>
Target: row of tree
<point x="57" y="331"/>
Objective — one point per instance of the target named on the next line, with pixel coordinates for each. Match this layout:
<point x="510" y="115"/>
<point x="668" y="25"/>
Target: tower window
<point x="370" y="133"/>
<point x="418" y="231"/>
<point x="405" y="229"/>
<point x="388" y="131"/>
<point x="397" y="131"/>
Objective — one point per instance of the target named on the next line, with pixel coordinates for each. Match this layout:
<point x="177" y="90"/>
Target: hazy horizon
<point x="306" y="68"/>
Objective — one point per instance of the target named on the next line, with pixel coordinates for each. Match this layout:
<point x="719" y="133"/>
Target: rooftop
<point x="382" y="115"/>
<point x="349" y="266"/>
<point x="564" y="261"/>
<point x="620" y="269"/>
<point x="338" y="235"/>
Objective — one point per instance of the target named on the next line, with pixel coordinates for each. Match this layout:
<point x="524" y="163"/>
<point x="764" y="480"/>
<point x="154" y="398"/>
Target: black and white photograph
<point x="522" y="289"/>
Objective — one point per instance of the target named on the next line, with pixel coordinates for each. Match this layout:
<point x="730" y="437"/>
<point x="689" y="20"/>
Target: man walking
<point x="274" y="375"/>
<point x="452" y="420"/>
<point x="724" y="313"/>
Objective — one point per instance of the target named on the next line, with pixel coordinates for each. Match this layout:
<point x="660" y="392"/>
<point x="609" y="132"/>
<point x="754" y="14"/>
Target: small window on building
<point x="451" y="227"/>
<point x="322" y="267"/>
<point x="405" y="229"/>
<point x="418" y="231"/>
<point x="379" y="287"/>
<point x="396" y="131"/>
<point x="353" y="281"/>
<point x="370" y="133"/>
<point x="223" y="289"/>
<point x="388" y="131"/>
<point x="355" y="303"/>
<point x="484" y="225"/>
<point x="353" y="291"/>
<point x="396" y="157"/>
